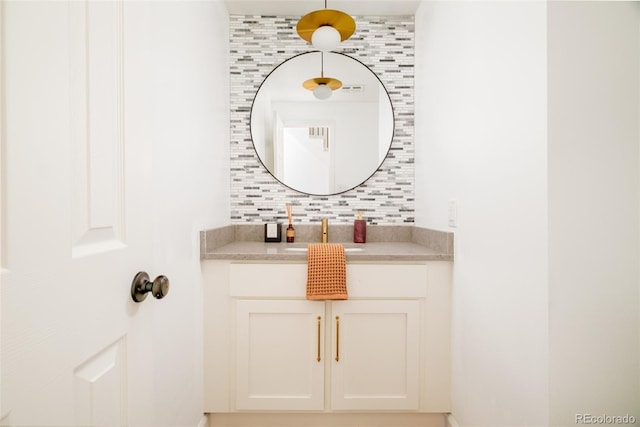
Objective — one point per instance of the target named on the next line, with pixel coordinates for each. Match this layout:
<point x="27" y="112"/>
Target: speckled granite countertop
<point x="384" y="243"/>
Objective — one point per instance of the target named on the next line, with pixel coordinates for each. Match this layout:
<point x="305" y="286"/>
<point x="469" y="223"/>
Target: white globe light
<point x="322" y="92"/>
<point x="326" y="38"/>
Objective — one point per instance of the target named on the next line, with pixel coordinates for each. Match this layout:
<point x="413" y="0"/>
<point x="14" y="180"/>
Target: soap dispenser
<point x="359" y="229"/>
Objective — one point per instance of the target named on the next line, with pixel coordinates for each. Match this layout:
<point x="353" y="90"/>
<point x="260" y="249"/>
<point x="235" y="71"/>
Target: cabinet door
<point x="279" y="355"/>
<point x="375" y="355"/>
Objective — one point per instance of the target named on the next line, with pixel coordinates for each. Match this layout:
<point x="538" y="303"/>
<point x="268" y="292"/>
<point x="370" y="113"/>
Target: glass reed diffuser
<point x="291" y="232"/>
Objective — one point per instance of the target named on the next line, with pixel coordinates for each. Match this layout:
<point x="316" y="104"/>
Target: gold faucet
<point x="325" y="230"/>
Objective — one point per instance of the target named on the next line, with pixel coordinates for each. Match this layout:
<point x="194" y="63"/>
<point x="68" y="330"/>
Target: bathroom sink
<point x="305" y="249"/>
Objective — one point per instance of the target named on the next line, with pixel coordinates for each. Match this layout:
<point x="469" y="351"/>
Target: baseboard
<point x="326" y="419"/>
<point x="451" y="421"/>
<point x="204" y="421"/>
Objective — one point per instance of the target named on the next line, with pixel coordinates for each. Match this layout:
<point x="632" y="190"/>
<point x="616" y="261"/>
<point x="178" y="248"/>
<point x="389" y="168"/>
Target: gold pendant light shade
<point x="322" y="86"/>
<point x="333" y="84"/>
<point x="340" y="21"/>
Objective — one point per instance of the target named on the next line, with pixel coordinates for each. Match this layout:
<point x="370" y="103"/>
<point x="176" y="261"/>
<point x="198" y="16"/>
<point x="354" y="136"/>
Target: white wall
<point x="527" y="114"/>
<point x="191" y="186"/>
<point x="481" y="140"/>
<point x="593" y="209"/>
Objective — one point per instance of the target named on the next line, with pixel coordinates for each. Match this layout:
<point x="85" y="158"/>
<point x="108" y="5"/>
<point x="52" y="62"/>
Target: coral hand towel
<point x="326" y="272"/>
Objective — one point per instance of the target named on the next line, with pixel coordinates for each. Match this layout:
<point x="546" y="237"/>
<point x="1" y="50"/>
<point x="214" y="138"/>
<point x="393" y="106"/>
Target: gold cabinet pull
<point x="337" y="338"/>
<point x="319" y="321"/>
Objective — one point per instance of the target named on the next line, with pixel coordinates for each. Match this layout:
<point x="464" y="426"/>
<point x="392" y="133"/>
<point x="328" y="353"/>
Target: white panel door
<point x="76" y="163"/>
<point x="279" y="355"/>
<point x="375" y="355"/>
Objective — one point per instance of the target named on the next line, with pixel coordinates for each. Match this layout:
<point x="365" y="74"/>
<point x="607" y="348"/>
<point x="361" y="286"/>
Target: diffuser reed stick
<point x="288" y="206"/>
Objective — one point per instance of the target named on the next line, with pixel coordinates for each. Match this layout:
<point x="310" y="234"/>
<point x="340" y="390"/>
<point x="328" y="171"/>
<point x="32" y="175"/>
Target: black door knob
<point x="141" y="285"/>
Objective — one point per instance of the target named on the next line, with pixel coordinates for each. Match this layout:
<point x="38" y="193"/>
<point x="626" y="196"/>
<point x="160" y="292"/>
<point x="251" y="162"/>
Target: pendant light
<point x="326" y="28"/>
<point x="322" y="87"/>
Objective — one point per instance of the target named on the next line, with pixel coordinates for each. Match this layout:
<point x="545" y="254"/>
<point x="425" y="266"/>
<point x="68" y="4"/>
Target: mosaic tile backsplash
<point x="260" y="43"/>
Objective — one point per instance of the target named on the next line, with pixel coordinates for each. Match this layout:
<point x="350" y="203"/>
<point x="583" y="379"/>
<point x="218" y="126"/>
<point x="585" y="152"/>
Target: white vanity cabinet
<point x="279" y="360"/>
<point x="386" y="348"/>
<point x="375" y="355"/>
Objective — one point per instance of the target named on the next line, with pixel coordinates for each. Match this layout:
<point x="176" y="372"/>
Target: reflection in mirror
<point x="322" y="147"/>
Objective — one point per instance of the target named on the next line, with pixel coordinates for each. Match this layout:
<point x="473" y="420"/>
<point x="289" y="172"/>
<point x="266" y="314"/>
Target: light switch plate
<point x="453" y="213"/>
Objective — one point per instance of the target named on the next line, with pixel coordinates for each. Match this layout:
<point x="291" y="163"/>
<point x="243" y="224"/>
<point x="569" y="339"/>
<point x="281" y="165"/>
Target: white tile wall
<point x="384" y="44"/>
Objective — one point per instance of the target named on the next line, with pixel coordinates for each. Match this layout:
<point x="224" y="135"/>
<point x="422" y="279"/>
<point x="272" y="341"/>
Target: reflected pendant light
<point x="322" y="87"/>
<point x="326" y="28"/>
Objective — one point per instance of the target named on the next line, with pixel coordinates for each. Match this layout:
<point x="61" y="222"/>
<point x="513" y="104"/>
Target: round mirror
<point x="322" y="146"/>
